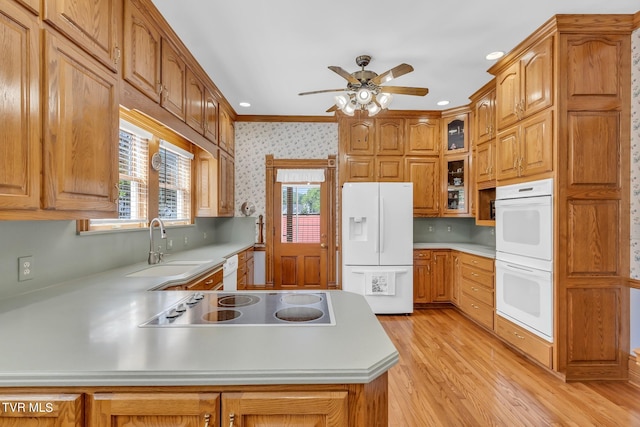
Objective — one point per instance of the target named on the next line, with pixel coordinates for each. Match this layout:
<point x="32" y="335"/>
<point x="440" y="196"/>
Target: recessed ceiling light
<point x="443" y="102"/>
<point x="494" y="55"/>
<point x="245" y="104"/>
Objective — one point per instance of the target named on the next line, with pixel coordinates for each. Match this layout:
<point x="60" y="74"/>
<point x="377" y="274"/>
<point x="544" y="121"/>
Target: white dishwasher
<point x="230" y="274"/>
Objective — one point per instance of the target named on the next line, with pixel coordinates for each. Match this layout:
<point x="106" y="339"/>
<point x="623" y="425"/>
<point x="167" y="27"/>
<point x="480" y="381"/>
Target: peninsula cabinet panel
<point x="390" y="137"/>
<point x="277" y="409"/>
<point x="42" y="410"/>
<point x="525" y="86"/>
<point x="141" y="57"/>
<point x="93" y="25"/>
<point x="424" y="173"/>
<point x="174" y="76"/>
<point x="153" y="409"/>
<point x="81" y="131"/>
<point x="422" y="137"/>
<point x="19" y="109"/>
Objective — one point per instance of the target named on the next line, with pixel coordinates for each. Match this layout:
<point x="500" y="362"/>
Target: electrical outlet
<point x="25" y="268"/>
<point x="493" y="231"/>
<point x="186" y="240"/>
<point x="449" y="228"/>
<point x="204" y="235"/>
<point x="169" y="244"/>
<point x="431" y="229"/>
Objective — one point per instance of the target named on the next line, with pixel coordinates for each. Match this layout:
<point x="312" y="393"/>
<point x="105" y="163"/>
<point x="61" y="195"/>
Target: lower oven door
<point x="524" y="295"/>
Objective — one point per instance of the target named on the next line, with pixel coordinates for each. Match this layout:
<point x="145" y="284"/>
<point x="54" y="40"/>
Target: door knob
<point x="322" y="245"/>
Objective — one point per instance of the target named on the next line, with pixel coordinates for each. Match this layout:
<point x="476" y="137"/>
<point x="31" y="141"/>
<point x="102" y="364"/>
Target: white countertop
<point x="85" y="332"/>
<point x="472" y="248"/>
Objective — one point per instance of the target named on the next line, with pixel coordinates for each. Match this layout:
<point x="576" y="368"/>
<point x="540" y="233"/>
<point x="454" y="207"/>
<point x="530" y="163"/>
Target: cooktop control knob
<point x="173" y="314"/>
<point x="181" y="308"/>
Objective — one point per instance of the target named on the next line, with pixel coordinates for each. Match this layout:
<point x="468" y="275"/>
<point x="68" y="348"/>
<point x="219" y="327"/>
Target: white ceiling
<point x="267" y="51"/>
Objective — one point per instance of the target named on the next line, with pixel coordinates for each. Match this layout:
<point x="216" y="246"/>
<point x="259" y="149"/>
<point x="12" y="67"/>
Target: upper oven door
<point x="524" y="227"/>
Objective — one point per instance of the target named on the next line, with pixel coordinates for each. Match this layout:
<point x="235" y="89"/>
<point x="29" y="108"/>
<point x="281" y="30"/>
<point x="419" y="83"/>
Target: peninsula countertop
<point x="85" y="332"/>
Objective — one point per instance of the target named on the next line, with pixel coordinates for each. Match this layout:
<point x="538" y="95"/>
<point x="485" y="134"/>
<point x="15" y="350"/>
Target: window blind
<point x="174" y="199"/>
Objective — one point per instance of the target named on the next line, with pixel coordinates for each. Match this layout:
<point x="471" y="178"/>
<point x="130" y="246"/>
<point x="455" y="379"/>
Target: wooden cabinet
<point x="485" y="111"/>
<point x="530" y="344"/>
<point x="456" y="185"/>
<point x="389" y="169"/>
<point x="42" y="410"/>
<point x="227" y="132"/>
<point x="424" y="173"/>
<point x="422" y="136"/>
<point x="20" y="108"/>
<point x="485" y="163"/>
<point x="141" y="56"/>
<point x="208" y="281"/>
<point x="211" y="107"/>
<point x="456" y="277"/>
<point x="358" y="169"/>
<point x="92" y="25"/>
<point x="526" y="86"/>
<point x="357" y="137"/>
<point x="276" y="409"/>
<point x="195" y="93"/>
<point x="174" y="77"/>
<point x="477" y="287"/>
<point x="431" y="276"/>
<point x="245" y="269"/>
<point x="226" y="177"/>
<point x="80" y="167"/>
<point x="206" y="175"/>
<point x="153" y="409"/>
<point x="455" y="127"/>
<point x="389" y="137"/>
<point x="526" y="149"/>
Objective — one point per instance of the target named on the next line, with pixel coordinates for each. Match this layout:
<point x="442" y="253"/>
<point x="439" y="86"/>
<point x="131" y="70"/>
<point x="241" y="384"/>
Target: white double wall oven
<point x="524" y="255"/>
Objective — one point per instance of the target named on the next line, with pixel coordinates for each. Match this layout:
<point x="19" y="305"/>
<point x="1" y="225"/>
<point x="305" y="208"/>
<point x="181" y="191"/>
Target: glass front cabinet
<point x="456" y="185"/>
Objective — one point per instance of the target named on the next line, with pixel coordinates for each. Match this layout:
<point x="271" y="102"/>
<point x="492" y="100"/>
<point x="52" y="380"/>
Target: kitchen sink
<point x="175" y="268"/>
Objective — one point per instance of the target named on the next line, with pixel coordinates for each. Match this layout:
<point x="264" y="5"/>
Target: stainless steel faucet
<point x="155" y="257"/>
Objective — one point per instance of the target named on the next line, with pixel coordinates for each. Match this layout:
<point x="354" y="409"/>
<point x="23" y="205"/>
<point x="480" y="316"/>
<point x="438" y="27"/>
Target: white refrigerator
<point x="377" y="244"/>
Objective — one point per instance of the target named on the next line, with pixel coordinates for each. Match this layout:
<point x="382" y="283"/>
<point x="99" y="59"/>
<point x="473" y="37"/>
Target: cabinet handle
<point x="207" y="418"/>
<point x="117" y="52"/>
<point x="208" y="282"/>
<point x="518" y="335"/>
<point x="474" y="289"/>
<point x="159" y="88"/>
<point x="232" y="418"/>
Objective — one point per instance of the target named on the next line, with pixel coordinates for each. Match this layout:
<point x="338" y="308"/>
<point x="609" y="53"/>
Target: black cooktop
<point x="247" y="308"/>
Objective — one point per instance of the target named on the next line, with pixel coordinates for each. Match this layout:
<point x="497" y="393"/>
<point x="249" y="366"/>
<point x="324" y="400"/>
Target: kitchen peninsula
<point x="75" y="354"/>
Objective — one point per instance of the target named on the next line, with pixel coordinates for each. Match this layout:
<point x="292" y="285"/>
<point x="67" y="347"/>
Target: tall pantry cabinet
<point x="563" y="111"/>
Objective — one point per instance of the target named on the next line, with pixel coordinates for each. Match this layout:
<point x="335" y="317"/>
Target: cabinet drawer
<point x="481" y="277"/>
<point x="529" y="343"/>
<point x="242" y="257"/>
<point x="482" y="263"/>
<point x="206" y="283"/>
<point x="478" y="292"/>
<point x="478" y="311"/>
<point x="422" y="254"/>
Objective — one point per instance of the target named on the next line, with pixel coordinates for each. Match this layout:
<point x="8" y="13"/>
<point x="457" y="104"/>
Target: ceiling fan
<point x="364" y="89"/>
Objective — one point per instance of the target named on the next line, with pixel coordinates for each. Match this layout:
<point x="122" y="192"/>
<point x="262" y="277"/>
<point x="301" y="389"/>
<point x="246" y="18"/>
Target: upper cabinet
<point x="174" y="77"/>
<point x="456" y="133"/>
<point x="21" y="151"/>
<point x="357" y="137"/>
<point x="93" y="25"/>
<point x="422" y="136"/>
<point x="389" y="137"/>
<point x="211" y="107"/>
<point x="141" y="62"/>
<point x="525" y="86"/>
<point x="194" y="107"/>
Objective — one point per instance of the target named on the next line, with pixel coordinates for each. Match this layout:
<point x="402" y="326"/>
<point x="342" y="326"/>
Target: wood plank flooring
<point x="454" y="373"/>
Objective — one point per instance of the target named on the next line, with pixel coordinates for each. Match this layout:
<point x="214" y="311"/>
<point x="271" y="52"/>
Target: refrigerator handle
<point x="376" y="242"/>
<point x="382" y="224"/>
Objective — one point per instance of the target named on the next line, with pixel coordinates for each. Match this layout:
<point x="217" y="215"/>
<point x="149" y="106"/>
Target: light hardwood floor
<point x="454" y="373"/>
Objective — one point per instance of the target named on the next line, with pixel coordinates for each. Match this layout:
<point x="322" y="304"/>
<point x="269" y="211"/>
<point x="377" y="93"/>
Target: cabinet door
<point x="508" y="95"/>
<point x="194" y="107"/>
<point x="455" y="278"/>
<point x="226" y="131"/>
<point x="225" y="184"/>
<point x="536" y="80"/>
<point x="359" y="168"/>
<point x="93" y="25"/>
<point x="424" y="173"/>
<point x="456" y="184"/>
<point x="206" y="168"/>
<point x="19" y="109"/>
<point x="484" y="162"/>
<point x="485" y="112"/>
<point x="277" y="409"/>
<point x="507" y="154"/>
<point x="357" y="137"/>
<point x="210" y="117"/>
<point x="153" y="409"/>
<point x="174" y="76"/>
<point x="421" y="276"/>
<point x="390" y="137"/>
<point x="42" y="410"/>
<point x="456" y="130"/>
<point x="440" y="276"/>
<point x="81" y="131"/>
<point x="389" y="169"/>
<point x="536" y="144"/>
<point x="422" y="137"/>
<point x="141" y="62"/>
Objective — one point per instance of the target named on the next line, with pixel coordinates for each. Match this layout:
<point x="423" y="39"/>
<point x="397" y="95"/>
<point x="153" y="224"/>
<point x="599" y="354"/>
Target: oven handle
<point x="518" y="267"/>
<point x="524" y="201"/>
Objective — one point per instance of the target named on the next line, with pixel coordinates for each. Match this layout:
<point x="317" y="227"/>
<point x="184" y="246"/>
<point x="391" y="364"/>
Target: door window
<point x="300" y="213"/>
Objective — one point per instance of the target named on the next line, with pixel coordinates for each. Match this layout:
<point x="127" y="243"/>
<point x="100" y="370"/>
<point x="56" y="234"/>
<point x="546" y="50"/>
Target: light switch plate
<point x="25" y="268"/>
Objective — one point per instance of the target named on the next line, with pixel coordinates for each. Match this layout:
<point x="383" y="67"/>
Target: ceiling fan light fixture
<point x="349" y="109"/>
<point x="373" y="108"/>
<point x="364" y="96"/>
<point x="342" y="100"/>
<point x="384" y="99"/>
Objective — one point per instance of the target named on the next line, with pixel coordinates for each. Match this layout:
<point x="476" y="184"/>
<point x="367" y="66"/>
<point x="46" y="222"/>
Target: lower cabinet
<point x="431" y="276"/>
<point x="42" y="410"/>
<point x="477" y="288"/>
<point x="210" y="281"/>
<point x="530" y="344"/>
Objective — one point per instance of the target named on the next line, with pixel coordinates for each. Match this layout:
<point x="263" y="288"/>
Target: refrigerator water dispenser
<point x="358" y="228"/>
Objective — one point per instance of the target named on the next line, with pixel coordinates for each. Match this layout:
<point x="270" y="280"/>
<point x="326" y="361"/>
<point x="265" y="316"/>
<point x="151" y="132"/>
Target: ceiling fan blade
<point x="345" y="74"/>
<point x="401" y="90"/>
<point x="322" y="91"/>
<point x="332" y="109"/>
<point x="391" y="74"/>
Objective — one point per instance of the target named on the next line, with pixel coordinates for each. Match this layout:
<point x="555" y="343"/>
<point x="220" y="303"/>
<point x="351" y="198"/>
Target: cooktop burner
<point x="247" y="308"/>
